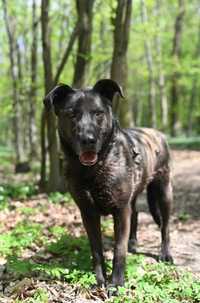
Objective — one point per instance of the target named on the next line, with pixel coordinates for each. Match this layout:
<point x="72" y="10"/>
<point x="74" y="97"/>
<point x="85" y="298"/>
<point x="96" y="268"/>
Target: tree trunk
<point x="55" y="181"/>
<point x="22" y="101"/>
<point x="193" y="96"/>
<point x="176" y="54"/>
<point x="15" y="94"/>
<point x="85" y="16"/>
<point x="161" y="76"/>
<point x="54" y="173"/>
<point x="119" y="57"/>
<point x="33" y="88"/>
<point x="66" y="54"/>
<point x="150" y="66"/>
<point x="43" y="181"/>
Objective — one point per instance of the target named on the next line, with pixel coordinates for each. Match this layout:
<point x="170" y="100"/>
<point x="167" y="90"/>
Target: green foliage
<point x="160" y="24"/>
<point x="75" y="251"/>
<point x="73" y="267"/>
<point x="70" y="262"/>
<point x="39" y="296"/>
<point x="6" y="156"/>
<point x="57" y="231"/>
<point x="149" y="283"/>
<point x="192" y="143"/>
<point x="57" y="197"/>
<point x="12" y="191"/>
<point x="27" y="211"/>
<point x="19" y="191"/>
<point x="183" y="216"/>
<point x="23" y="235"/>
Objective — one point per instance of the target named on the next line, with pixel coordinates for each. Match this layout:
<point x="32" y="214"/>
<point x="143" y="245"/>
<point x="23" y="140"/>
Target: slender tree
<point x="66" y="53"/>
<point x="85" y="16"/>
<point x="119" y="58"/>
<point x="33" y="87"/>
<point x="176" y="55"/>
<point x="194" y="92"/>
<point x="54" y="173"/>
<point x="150" y="66"/>
<point x="21" y="96"/>
<point x="14" y="76"/>
<point x="48" y="118"/>
<point x="161" y="75"/>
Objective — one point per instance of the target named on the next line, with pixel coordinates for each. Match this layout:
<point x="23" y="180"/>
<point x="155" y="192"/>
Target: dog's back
<point x="153" y="149"/>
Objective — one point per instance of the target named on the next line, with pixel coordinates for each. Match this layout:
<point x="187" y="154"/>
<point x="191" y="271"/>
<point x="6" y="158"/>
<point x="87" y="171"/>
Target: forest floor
<point x="41" y="234"/>
<point x="185" y="221"/>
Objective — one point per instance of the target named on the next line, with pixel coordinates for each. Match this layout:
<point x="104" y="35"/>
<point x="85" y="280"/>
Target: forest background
<point x="152" y="48"/>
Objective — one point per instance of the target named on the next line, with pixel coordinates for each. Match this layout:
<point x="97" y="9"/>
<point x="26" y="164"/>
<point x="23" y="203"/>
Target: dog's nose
<point x="88" y="140"/>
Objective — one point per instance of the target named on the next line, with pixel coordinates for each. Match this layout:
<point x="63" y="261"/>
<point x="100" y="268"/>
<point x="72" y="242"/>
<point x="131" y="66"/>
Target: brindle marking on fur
<point x="117" y="164"/>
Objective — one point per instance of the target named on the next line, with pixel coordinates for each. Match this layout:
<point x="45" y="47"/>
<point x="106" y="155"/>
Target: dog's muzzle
<point x="88" y="155"/>
<point x="88" y="158"/>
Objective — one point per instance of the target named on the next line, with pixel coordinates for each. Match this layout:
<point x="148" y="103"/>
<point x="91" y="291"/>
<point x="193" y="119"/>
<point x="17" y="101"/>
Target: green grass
<point x="57" y="197"/>
<point x="145" y="283"/>
<point x="39" y="296"/>
<point x="191" y="143"/>
<point x="22" y="236"/>
<point x="13" y="191"/>
<point x="149" y="283"/>
<point x="70" y="262"/>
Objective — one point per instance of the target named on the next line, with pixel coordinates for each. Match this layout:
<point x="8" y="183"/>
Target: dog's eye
<point x="98" y="113"/>
<point x="69" y="113"/>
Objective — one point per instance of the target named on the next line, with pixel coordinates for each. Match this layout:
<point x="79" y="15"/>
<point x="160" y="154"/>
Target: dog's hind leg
<point x="159" y="196"/>
<point x="152" y="199"/>
<point x="132" y="243"/>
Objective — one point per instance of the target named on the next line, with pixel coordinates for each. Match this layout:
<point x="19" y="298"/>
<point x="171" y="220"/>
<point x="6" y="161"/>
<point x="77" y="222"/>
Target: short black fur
<point x="107" y="167"/>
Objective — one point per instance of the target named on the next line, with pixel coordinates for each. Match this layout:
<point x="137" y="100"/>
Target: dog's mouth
<point x="88" y="158"/>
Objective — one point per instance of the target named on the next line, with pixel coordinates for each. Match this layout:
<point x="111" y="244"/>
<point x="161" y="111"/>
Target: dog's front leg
<point x="122" y="219"/>
<point x="91" y="222"/>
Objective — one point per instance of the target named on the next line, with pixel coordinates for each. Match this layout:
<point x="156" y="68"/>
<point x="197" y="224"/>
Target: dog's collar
<point x="108" y="143"/>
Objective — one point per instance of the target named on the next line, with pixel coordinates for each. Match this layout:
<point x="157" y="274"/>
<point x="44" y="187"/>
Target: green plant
<point x="192" y="143"/>
<point x="149" y="283"/>
<point x="57" y="197"/>
<point x="22" y="191"/>
<point x="39" y="296"/>
<point x="19" y="238"/>
<point x="183" y="216"/>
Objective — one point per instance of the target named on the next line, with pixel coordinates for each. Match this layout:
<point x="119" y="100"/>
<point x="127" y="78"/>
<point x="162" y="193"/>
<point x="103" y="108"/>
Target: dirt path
<point x="186" y="236"/>
<point x="185" y="225"/>
<point x="186" y="174"/>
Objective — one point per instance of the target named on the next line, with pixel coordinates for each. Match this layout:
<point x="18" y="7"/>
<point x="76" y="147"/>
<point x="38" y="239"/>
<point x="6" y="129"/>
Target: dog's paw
<point x="99" y="292"/>
<point x="132" y="246"/>
<point x="166" y="258"/>
<point x="112" y="290"/>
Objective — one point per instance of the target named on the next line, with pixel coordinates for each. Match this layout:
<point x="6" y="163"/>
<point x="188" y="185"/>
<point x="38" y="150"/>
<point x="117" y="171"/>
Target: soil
<point x="185" y="220"/>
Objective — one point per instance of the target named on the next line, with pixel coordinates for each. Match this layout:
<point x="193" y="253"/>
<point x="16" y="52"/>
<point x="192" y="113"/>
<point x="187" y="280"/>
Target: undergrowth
<point x="57" y="256"/>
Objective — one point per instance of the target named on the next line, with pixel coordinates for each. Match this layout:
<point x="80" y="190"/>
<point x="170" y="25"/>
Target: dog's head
<point x="84" y="116"/>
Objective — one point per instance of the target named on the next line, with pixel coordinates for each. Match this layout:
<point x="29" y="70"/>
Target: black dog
<point x="108" y="167"/>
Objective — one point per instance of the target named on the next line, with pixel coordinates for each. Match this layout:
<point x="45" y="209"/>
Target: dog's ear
<point x="57" y="95"/>
<point x="108" y="88"/>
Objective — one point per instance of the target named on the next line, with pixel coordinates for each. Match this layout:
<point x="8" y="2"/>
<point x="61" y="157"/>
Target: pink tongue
<point x="88" y="158"/>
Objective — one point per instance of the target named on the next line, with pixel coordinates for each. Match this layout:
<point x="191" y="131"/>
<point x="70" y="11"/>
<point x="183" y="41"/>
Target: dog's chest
<point x="112" y="187"/>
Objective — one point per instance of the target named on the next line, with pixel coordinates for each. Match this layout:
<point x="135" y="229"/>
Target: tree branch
<point x="67" y="52"/>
